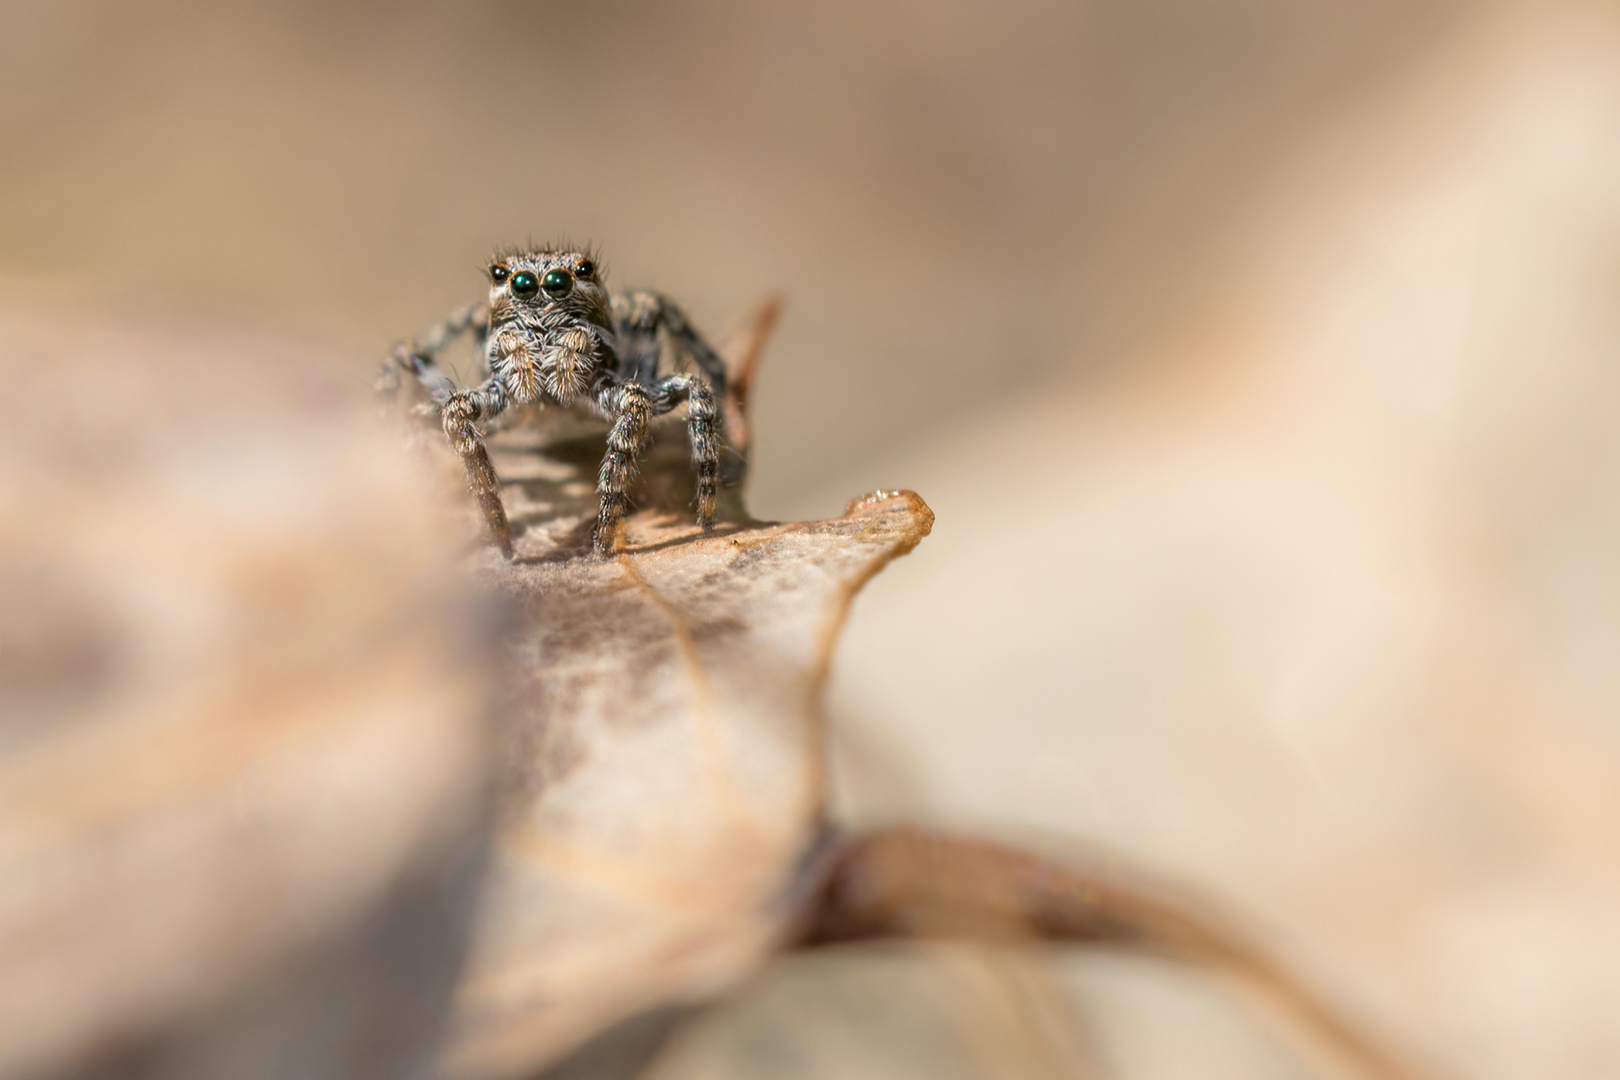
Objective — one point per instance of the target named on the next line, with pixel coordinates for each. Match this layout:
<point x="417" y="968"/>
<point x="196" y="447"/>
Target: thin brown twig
<point x="909" y="883"/>
<point x="744" y="342"/>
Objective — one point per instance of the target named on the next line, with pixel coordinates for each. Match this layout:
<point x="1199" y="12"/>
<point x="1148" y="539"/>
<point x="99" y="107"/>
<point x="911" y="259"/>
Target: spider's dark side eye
<point x="498" y="273"/>
<point x="584" y="268"/>
<point x="557" y="282"/>
<point x="525" y="284"/>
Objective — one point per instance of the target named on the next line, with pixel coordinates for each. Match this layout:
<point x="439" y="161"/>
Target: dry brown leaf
<point x="672" y="722"/>
<point x="664" y="828"/>
<point x="668" y="761"/>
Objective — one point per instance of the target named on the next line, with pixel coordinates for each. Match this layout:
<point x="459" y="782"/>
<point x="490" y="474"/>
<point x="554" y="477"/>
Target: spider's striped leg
<point x="636" y="317"/>
<point x="628" y="405"/>
<point x="701" y="425"/>
<point x="639" y="315"/>
<point x="418" y="358"/>
<point x="693" y="344"/>
<point x="460" y="414"/>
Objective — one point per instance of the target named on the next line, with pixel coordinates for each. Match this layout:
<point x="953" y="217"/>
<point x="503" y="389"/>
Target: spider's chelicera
<point x="552" y="334"/>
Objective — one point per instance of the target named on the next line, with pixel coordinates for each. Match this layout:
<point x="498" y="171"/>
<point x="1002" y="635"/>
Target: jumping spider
<point x="551" y="333"/>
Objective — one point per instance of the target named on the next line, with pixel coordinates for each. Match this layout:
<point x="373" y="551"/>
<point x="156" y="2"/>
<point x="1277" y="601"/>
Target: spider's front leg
<point x="700" y="425"/>
<point x="460" y="414"/>
<point x="631" y="410"/>
<point x="632" y="407"/>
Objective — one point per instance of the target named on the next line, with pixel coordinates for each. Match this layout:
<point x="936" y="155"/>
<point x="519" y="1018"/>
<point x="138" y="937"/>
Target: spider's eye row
<point x="584" y="268"/>
<point x="525" y="284"/>
<point x="498" y="273"/>
<point x="558" y="282"/>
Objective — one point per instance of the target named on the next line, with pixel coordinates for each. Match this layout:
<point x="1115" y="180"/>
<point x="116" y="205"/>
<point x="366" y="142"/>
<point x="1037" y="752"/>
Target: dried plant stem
<point x="908" y="883"/>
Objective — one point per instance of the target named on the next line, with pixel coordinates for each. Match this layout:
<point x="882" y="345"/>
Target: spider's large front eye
<point x="558" y="283"/>
<point x="524" y="284"/>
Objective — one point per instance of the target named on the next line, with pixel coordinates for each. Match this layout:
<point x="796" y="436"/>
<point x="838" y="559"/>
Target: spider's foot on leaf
<point x="609" y="541"/>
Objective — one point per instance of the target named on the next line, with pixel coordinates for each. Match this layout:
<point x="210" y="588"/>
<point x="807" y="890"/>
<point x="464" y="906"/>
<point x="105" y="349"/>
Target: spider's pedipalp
<point x="569" y="365"/>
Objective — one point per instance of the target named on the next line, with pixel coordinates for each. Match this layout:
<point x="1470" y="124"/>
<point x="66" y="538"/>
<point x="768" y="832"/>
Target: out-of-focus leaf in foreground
<point x="243" y="755"/>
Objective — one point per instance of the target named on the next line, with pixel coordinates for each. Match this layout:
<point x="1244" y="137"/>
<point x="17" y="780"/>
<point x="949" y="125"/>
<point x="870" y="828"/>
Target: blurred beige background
<point x="959" y="200"/>
<point x="1261" y="359"/>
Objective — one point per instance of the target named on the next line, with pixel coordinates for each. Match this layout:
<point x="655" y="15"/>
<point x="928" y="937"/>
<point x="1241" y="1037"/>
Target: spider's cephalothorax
<point x="551" y="333"/>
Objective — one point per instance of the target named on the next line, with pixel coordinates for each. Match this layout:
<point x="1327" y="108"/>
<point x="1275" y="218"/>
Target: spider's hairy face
<point x="550" y="331"/>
